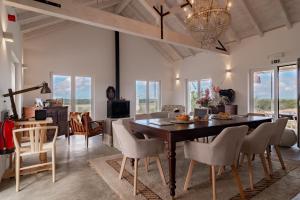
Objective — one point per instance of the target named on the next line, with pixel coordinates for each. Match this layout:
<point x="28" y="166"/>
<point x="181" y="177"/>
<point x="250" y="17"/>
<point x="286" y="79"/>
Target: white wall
<point x="251" y="53"/>
<point x="9" y="54"/>
<point x="84" y="50"/>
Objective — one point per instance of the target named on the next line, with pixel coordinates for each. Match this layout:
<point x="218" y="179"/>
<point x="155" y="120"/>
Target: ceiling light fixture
<point x="208" y="20"/>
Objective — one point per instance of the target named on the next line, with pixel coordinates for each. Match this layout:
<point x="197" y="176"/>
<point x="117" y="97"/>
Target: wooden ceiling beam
<point x="287" y="20"/>
<point x="106" y="20"/>
<point x="164" y="48"/>
<point x="122" y="6"/>
<point x="103" y="5"/>
<point x="251" y="17"/>
<point x="26" y="28"/>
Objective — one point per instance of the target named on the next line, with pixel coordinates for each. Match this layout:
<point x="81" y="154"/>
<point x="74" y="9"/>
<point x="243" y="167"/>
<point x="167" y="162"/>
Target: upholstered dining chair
<point x="256" y="143"/>
<point x="223" y="151"/>
<point x="275" y="141"/>
<point x="136" y="149"/>
<point x="35" y="146"/>
<point x="82" y="124"/>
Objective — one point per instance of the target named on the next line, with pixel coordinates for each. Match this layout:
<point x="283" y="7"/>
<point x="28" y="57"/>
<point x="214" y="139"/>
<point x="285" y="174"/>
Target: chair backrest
<point x="277" y="133"/>
<point x="159" y="115"/>
<point x="256" y="114"/>
<point x="126" y="140"/>
<point x="227" y="145"/>
<point x="75" y="122"/>
<point x="37" y="137"/>
<point x="258" y="140"/>
<point x="172" y="108"/>
<point x="142" y="116"/>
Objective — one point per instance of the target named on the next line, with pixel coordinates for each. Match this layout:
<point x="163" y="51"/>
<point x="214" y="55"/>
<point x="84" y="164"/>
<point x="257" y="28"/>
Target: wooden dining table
<point x="173" y="133"/>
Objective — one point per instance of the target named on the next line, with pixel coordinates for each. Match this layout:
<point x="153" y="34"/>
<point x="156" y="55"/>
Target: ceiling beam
<point x="102" y="5"/>
<point x="26" y="28"/>
<point x="150" y="10"/>
<point x="106" y="20"/>
<point x="122" y="6"/>
<point x="251" y="17"/>
<point x="287" y="20"/>
<point x="165" y="49"/>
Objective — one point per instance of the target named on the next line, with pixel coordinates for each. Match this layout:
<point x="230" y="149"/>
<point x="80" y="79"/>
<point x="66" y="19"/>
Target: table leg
<point x="172" y="167"/>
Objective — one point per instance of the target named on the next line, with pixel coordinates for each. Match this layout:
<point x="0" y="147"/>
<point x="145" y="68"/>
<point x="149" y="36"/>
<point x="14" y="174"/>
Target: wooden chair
<point x="35" y="146"/>
<point x="82" y="124"/>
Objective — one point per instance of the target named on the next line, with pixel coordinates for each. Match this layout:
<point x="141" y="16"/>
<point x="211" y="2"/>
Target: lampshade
<point x="45" y="88"/>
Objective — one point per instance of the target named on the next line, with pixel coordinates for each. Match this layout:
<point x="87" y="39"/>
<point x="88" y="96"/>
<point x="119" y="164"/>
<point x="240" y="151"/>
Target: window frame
<point x="72" y="107"/>
<point x="147" y="95"/>
<point x="187" y="89"/>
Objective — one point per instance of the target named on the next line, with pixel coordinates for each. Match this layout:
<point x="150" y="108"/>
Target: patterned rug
<point x="151" y="188"/>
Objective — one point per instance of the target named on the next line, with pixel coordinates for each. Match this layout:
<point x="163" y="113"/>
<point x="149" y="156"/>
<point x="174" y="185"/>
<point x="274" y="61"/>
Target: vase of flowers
<point x="213" y="100"/>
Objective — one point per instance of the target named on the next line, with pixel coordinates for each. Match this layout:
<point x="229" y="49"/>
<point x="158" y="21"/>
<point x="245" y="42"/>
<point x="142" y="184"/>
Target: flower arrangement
<point x="212" y="98"/>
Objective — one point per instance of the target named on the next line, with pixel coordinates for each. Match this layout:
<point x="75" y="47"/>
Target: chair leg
<point x="242" y="159"/>
<point x="213" y="178"/>
<point x="17" y="173"/>
<point x="135" y="176"/>
<point x="279" y="156"/>
<point x="87" y="142"/>
<point x="238" y="180"/>
<point x="161" y="172"/>
<point x="122" y="167"/>
<point x="221" y="170"/>
<point x="269" y="161"/>
<point x="189" y="175"/>
<point x="250" y="171"/>
<point x="266" y="170"/>
<point x="53" y="164"/>
<point x="146" y="164"/>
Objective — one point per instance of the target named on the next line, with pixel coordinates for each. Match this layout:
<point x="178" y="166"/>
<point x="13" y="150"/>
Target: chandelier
<point x="208" y="20"/>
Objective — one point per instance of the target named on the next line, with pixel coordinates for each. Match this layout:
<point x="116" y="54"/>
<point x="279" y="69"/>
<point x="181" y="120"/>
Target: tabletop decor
<point x="212" y="98"/>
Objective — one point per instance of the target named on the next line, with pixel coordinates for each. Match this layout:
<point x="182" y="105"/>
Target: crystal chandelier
<point x="208" y="20"/>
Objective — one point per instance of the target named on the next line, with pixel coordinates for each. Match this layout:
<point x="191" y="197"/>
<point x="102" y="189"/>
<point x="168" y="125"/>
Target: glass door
<point x="287" y="95"/>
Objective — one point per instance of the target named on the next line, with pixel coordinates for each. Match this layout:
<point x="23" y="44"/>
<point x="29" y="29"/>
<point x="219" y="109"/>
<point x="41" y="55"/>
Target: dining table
<point x="172" y="132"/>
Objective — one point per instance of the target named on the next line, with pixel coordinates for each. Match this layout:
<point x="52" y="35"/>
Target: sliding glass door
<point x="275" y="92"/>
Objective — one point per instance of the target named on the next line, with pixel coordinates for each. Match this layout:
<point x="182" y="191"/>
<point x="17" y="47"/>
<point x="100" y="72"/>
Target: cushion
<point x="289" y="138"/>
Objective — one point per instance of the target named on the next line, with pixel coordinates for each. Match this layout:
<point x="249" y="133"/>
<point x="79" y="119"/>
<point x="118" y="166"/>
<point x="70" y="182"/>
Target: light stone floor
<point x="75" y="179"/>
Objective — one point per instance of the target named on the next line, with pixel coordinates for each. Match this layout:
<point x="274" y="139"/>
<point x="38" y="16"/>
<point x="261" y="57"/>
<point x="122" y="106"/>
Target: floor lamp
<point x="44" y="90"/>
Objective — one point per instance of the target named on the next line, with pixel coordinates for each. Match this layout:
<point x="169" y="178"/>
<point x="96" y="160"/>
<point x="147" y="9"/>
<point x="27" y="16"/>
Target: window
<point x="83" y="94"/>
<point x="195" y="90"/>
<point x="62" y="88"/>
<point x="76" y="92"/>
<point x="148" y="97"/>
<point x="263" y="92"/>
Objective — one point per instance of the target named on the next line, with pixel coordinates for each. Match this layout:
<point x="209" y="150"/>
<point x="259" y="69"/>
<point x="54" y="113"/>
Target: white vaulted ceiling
<point x="249" y="18"/>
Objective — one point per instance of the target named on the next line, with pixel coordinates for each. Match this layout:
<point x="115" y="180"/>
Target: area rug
<point x="150" y="186"/>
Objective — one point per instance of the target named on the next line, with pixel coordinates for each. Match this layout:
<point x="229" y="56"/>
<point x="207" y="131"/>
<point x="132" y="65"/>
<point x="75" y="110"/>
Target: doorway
<point x="275" y="92"/>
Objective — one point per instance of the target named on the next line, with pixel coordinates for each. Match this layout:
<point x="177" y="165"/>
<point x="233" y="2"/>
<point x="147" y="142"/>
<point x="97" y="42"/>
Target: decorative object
<point x="44" y="90"/>
<point x="229" y="93"/>
<point x="289" y="138"/>
<point x="110" y="93"/>
<point x="212" y="98"/>
<point x="208" y="20"/>
<point x="118" y="109"/>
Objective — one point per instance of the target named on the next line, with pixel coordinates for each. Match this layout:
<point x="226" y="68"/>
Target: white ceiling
<point x="249" y="18"/>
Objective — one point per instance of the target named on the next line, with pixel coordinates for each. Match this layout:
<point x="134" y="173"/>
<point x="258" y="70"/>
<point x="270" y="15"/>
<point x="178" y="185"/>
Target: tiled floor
<point x="75" y="179"/>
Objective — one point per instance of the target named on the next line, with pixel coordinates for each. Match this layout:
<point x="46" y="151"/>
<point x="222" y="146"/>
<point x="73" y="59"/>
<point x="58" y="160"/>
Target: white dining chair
<point x="275" y="141"/>
<point x="223" y="151"/>
<point x="256" y="143"/>
<point x="136" y="149"/>
<point x="35" y="146"/>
